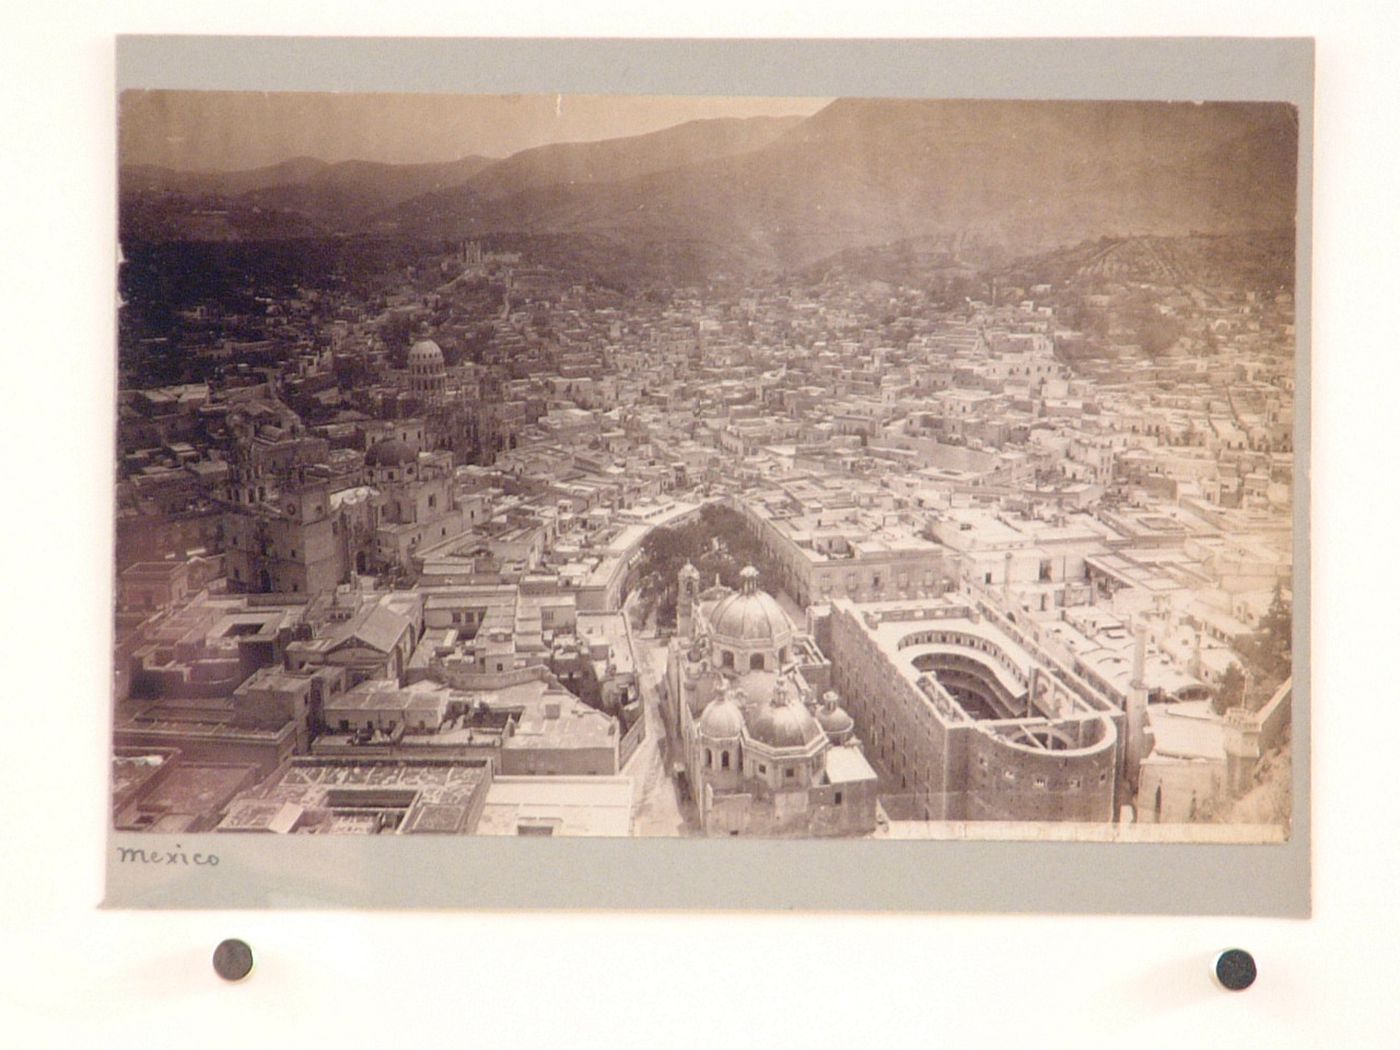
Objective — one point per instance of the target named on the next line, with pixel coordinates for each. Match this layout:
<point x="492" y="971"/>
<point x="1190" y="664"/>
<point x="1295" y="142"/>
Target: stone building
<point x="289" y="543"/>
<point x="415" y="503"/>
<point x="762" y="753"/>
<point x="848" y="553"/>
<point x="968" y="719"/>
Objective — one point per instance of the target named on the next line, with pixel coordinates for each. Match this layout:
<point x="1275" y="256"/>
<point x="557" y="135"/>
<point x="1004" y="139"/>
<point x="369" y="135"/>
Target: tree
<point x="1231" y="690"/>
<point x="397" y="331"/>
<point x="1269" y="651"/>
<point x="719" y="545"/>
<point x="1276" y="634"/>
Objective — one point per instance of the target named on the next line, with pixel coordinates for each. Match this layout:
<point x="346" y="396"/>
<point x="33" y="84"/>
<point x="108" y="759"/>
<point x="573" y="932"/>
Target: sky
<point x="229" y="131"/>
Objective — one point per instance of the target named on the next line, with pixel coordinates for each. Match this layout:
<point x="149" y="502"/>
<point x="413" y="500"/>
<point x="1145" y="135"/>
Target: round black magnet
<point x="1235" y="969"/>
<point x="233" y="960"/>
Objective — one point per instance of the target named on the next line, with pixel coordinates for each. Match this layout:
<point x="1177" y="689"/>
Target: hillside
<point x="1022" y="176"/>
<point x="1256" y="260"/>
<point x="616" y="160"/>
<point x="308" y="197"/>
<point x="739" y="197"/>
<point x="301" y="197"/>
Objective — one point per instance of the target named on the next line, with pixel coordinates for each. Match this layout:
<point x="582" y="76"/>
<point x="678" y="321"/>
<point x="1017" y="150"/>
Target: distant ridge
<point x="1024" y="176"/>
<point x="778" y="193"/>
<point x="335" y="197"/>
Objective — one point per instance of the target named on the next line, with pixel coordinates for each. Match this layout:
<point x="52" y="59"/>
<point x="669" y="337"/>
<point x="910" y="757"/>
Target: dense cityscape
<point x="496" y="534"/>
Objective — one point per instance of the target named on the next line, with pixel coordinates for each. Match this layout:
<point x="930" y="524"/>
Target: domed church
<point x="758" y="735"/>
<point x="427" y="372"/>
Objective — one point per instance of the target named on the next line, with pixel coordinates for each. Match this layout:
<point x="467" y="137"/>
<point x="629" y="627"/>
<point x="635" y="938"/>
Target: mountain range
<point x="765" y="194"/>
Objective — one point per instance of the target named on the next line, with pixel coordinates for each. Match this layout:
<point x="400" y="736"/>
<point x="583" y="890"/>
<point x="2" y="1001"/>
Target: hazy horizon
<point x="224" y="131"/>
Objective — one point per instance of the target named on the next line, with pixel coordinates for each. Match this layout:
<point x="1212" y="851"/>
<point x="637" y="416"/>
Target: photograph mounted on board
<point x="651" y="465"/>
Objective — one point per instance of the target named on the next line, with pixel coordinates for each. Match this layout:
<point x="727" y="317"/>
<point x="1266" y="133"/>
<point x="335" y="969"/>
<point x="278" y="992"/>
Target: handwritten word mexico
<point x="176" y="857"/>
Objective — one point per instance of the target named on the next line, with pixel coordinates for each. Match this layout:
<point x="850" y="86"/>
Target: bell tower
<point x="688" y="590"/>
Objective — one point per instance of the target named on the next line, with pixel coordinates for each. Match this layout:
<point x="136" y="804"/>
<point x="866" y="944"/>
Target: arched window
<point x="726" y="658"/>
<point x="724" y="760"/>
<point x="756" y="662"/>
<point x="709" y="758"/>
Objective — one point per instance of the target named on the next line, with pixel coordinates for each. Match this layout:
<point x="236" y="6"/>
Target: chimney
<point x="1136" y="712"/>
<point x="1139" y="655"/>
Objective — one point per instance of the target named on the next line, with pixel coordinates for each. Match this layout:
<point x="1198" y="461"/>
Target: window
<point x="789" y="772"/>
<point x="724" y="760"/>
<point x="709" y="758"/>
<point x="838" y="798"/>
<point x="756" y="662"/>
<point x="762" y="768"/>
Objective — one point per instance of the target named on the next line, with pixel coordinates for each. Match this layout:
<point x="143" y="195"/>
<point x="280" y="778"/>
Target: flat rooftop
<point x="558" y="805"/>
<point x="847" y="765"/>
<point x="131" y="768"/>
<point x="1188" y="730"/>
<point x="319" y="796"/>
<point x="577" y="726"/>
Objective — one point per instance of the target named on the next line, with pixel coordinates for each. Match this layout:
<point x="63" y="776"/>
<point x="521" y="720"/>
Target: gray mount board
<point x="730" y="874"/>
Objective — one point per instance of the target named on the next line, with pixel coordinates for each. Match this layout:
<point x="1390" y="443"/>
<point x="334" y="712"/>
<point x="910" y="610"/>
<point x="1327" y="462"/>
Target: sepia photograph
<point x="705" y="466"/>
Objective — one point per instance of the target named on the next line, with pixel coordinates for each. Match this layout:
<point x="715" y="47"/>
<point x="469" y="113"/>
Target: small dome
<point x="834" y="721"/>
<point x="425" y="352"/>
<point x="390" y="453"/>
<point x="750" y="618"/>
<point x="721" y="719"/>
<point x="786" y="725"/>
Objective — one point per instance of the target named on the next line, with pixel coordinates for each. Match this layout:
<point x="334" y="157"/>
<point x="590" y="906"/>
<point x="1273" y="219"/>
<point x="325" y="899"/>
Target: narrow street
<point x="657" y="810"/>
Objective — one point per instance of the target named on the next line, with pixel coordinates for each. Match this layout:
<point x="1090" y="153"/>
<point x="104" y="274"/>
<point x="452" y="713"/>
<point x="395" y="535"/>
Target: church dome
<point x="390" y="452"/>
<point x="835" y="722"/>
<point x="721" y="719"/>
<point x="426" y="353"/>
<point x="750" y="618"/>
<point x="786" y="725"/>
